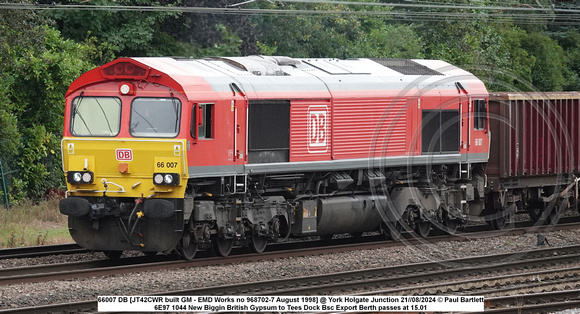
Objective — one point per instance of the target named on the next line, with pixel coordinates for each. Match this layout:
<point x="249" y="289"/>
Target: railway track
<point x="72" y="248"/>
<point x="446" y="273"/>
<point x="42" y="250"/>
<point x="534" y="303"/>
<point x="82" y="269"/>
<point x="442" y="277"/>
<point x="127" y="265"/>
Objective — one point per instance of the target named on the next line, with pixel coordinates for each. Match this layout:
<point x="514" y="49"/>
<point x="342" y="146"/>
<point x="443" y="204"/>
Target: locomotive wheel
<point x="222" y="247"/>
<point x="392" y="230"/>
<point x="258" y="244"/>
<point x="188" y="248"/>
<point x="451" y="226"/>
<point x="500" y="223"/>
<point x="113" y="254"/>
<point x="189" y="252"/>
<point x="423" y="228"/>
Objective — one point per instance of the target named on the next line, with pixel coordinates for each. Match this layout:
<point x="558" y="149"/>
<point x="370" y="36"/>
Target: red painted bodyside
<point x="365" y="128"/>
<point x="366" y="125"/>
<point x="349" y="125"/>
<point x="300" y="136"/>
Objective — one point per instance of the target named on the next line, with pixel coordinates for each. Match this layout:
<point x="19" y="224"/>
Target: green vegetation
<point x="512" y="45"/>
<point x="31" y="224"/>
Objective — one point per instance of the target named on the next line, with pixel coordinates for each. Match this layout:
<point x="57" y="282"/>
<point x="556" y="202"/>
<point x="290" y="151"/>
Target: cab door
<point x="239" y="108"/>
<point x="479" y="139"/>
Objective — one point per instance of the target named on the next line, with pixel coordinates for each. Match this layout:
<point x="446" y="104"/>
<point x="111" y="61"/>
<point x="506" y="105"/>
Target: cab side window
<point x="479" y="114"/>
<point x="201" y="121"/>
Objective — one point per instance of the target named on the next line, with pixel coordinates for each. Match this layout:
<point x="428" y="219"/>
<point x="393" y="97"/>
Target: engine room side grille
<point x="406" y="67"/>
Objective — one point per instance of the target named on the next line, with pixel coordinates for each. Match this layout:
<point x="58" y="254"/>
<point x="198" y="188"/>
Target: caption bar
<point x="290" y="303"/>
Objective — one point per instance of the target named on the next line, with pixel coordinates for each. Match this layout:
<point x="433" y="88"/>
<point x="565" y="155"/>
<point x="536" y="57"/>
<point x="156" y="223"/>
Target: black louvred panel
<point x="269" y="129"/>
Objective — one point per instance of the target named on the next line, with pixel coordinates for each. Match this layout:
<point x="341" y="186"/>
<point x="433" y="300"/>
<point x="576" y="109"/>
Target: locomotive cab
<point x="125" y="161"/>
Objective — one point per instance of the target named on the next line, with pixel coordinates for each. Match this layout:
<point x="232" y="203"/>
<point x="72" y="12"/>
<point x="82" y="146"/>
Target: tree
<point x="335" y="35"/>
<point x="34" y="85"/>
<point x="511" y="68"/>
<point x="124" y="33"/>
<point x="213" y="33"/>
<point x="569" y="40"/>
<point x="18" y="32"/>
<point x="547" y="71"/>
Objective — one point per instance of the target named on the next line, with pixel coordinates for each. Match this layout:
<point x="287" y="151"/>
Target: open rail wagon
<point x="164" y="154"/>
<point x="535" y="153"/>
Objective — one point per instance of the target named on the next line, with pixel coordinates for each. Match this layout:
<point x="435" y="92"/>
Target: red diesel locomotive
<point x="164" y="154"/>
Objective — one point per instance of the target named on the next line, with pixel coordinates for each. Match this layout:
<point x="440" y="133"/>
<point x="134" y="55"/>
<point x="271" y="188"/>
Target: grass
<point x="31" y="223"/>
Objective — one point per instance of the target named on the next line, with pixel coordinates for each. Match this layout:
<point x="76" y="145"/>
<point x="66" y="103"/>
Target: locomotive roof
<point x="260" y="75"/>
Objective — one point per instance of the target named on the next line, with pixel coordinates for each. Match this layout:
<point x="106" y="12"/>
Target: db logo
<point x="317" y="129"/>
<point x="124" y="154"/>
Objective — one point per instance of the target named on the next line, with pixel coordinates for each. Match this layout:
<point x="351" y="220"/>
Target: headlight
<point x="166" y="178"/>
<point x="158" y="178"/>
<point x="87" y="177"/>
<point x="79" y="177"/>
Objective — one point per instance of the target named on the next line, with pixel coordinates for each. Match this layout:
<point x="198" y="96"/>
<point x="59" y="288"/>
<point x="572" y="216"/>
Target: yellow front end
<point x="125" y="194"/>
<point x="126" y="167"/>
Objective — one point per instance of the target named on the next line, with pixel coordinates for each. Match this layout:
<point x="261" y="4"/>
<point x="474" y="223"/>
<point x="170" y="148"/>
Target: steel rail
<point x="534" y="303"/>
<point x="42" y="250"/>
<point x="379" y="278"/>
<point x="72" y="248"/>
<point x="83" y="269"/>
<point x="420" y="272"/>
<point x="553" y="278"/>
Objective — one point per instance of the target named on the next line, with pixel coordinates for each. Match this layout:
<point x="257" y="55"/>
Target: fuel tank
<point x="349" y="214"/>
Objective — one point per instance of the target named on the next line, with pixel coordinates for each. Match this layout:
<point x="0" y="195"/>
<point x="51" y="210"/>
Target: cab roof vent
<point x="257" y="65"/>
<point x="406" y="67"/>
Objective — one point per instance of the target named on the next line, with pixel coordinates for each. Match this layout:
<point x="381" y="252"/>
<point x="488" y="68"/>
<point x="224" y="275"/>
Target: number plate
<point x="167" y="164"/>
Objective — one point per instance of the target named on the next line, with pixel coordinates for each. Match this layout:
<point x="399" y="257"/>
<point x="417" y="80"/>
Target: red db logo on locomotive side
<point x="317" y="129"/>
<point x="124" y="154"/>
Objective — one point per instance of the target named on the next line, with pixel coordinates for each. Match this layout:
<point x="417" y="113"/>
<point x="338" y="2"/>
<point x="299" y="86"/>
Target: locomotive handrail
<point x="105" y="182"/>
<point x="96" y="191"/>
<point x="106" y="190"/>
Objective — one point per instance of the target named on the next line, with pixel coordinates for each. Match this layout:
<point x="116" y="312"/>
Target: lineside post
<point x="4" y="190"/>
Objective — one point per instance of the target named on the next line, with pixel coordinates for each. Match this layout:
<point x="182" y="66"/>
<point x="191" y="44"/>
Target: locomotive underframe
<point x="117" y="224"/>
<point x="222" y="212"/>
<point x="355" y="201"/>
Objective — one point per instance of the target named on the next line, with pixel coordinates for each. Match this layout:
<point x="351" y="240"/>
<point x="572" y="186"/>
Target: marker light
<point x="127" y="89"/>
<point x="87" y="177"/>
<point x="158" y="178"/>
<point x="166" y="178"/>
<point x="80" y="177"/>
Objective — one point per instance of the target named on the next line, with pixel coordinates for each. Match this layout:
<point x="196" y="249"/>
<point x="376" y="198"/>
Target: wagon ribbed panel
<point x="369" y="129"/>
<point x="543" y="134"/>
